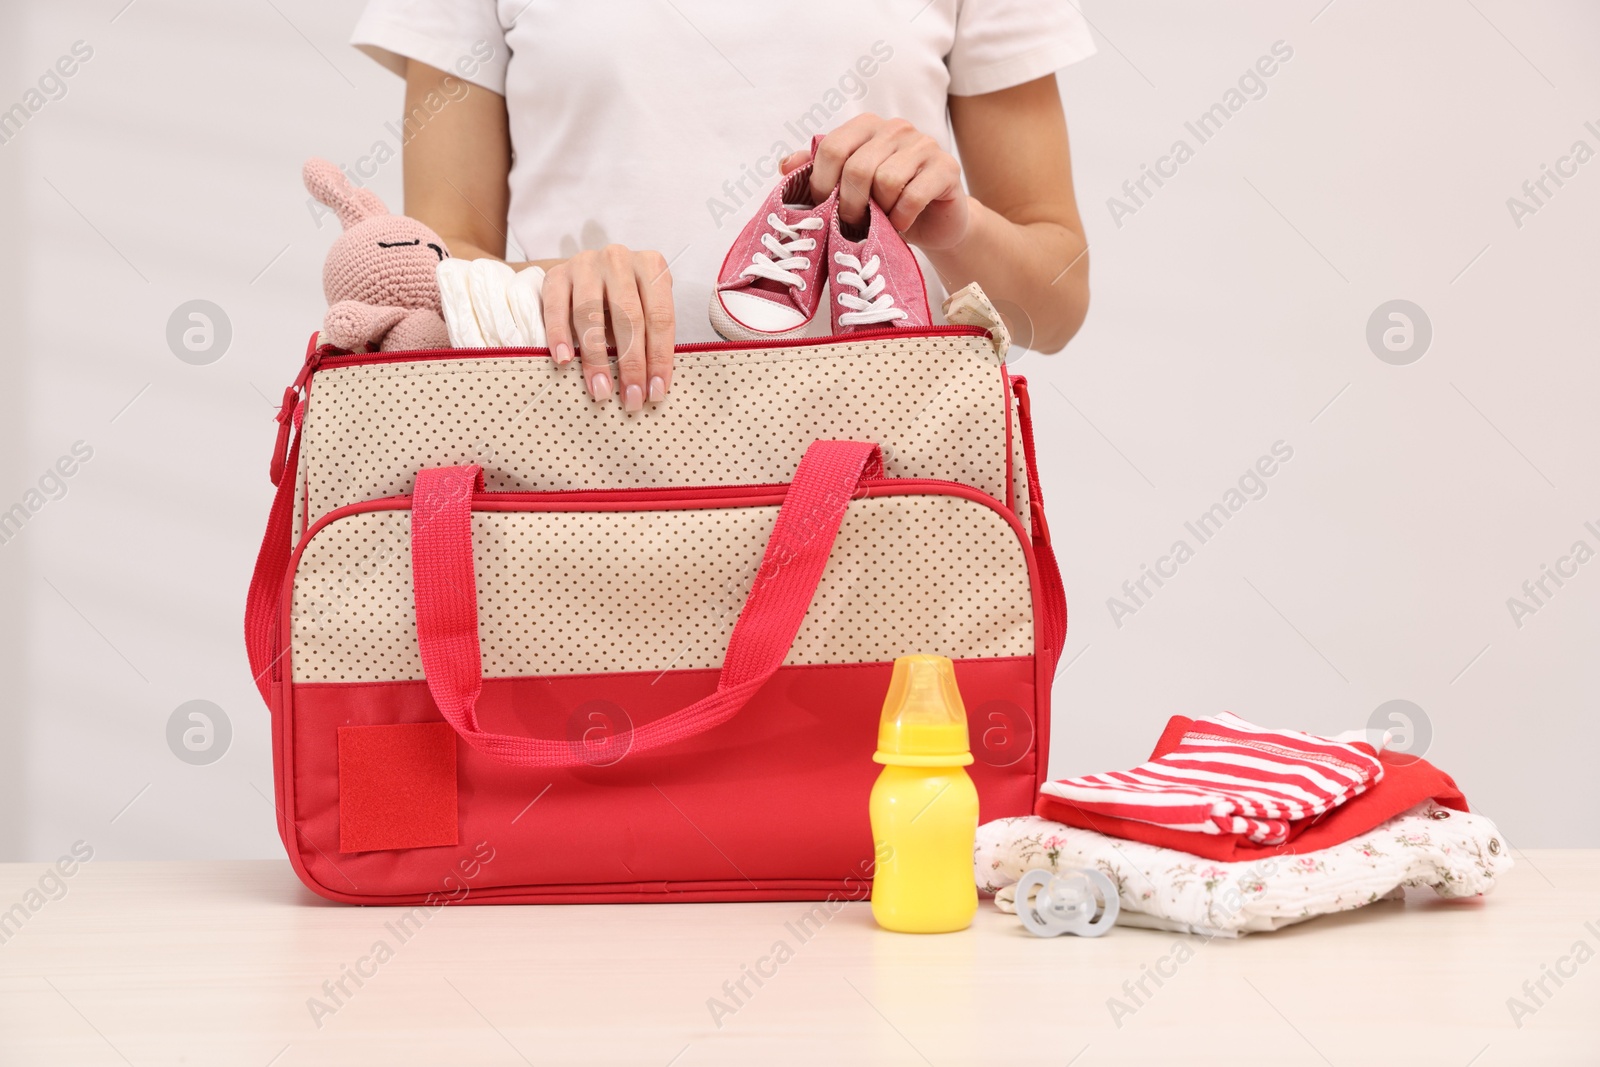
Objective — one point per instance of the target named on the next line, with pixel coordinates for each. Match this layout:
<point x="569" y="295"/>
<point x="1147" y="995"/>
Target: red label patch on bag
<point x="397" y="786"/>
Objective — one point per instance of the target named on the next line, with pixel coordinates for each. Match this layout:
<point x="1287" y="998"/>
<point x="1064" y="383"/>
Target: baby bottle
<point x="924" y="808"/>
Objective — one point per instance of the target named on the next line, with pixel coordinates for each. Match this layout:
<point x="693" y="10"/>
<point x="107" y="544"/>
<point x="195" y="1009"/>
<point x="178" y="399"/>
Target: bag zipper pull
<point x="292" y="397"/>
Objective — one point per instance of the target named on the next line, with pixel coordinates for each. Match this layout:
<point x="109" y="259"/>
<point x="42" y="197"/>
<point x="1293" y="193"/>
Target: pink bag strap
<point x="272" y="564"/>
<point x="445" y="587"/>
<point x="1055" y="597"/>
<point x="272" y="561"/>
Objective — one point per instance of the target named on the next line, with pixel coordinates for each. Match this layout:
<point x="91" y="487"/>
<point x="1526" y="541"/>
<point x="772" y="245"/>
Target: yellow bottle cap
<point x="924" y="723"/>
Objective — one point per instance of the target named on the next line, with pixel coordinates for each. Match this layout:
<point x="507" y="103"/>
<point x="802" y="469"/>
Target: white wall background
<point x="1229" y="313"/>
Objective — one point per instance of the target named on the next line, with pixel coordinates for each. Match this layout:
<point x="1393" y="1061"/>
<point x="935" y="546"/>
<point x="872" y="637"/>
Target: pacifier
<point x="1079" y="901"/>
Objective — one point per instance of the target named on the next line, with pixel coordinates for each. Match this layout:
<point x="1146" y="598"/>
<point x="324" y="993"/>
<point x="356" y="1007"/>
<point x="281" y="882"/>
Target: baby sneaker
<point x="875" y="280"/>
<point x="772" y="278"/>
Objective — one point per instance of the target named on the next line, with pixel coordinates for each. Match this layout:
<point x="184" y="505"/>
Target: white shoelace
<point x="782" y="263"/>
<point x="870" y="303"/>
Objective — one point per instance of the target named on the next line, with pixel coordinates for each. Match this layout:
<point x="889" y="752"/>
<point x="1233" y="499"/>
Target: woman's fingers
<point x="557" y="299"/>
<point x="655" y="288"/>
<point x="633" y="291"/>
<point x="914" y="158"/>
<point x="856" y="179"/>
<point x="589" y="322"/>
<point x="835" y="149"/>
<point x="933" y="181"/>
<point x="627" y="324"/>
<point x="903" y="170"/>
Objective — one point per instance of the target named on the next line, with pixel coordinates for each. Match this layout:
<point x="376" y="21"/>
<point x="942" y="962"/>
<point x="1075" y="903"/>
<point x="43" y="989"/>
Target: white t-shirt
<point x="661" y="125"/>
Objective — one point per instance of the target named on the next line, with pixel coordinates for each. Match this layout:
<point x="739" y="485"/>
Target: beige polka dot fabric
<point x="576" y="592"/>
<point x="937" y="405"/>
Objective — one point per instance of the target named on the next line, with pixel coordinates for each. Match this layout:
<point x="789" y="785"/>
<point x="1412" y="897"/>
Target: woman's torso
<point x="661" y="125"/>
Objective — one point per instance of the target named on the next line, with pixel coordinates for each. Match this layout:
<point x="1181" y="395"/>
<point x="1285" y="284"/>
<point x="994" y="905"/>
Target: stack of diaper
<point x="486" y="304"/>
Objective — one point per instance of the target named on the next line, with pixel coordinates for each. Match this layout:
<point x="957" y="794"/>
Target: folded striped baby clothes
<point x="1229" y="776"/>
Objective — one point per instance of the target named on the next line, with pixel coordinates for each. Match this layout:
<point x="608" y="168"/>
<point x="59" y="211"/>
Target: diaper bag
<point x="521" y="646"/>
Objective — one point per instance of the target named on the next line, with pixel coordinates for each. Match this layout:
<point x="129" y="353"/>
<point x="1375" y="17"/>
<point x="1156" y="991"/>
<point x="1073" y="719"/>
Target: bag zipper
<point x="346" y="358"/>
<point x="698" y="493"/>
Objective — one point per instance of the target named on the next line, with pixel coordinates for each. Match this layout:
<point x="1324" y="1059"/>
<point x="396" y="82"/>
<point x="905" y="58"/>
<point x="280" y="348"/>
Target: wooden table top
<point x="236" y="963"/>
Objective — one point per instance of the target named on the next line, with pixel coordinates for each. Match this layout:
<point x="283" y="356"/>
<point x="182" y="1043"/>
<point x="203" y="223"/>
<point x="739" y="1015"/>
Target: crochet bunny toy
<point x="379" y="275"/>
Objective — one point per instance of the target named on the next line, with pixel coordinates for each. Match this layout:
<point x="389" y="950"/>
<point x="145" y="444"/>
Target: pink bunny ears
<point x="328" y="184"/>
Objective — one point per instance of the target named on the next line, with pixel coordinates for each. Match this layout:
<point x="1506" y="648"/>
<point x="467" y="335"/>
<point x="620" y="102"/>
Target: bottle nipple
<point x="924" y="722"/>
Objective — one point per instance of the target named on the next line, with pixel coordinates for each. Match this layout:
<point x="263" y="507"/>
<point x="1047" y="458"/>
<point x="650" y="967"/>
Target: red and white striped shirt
<point x="1229" y="776"/>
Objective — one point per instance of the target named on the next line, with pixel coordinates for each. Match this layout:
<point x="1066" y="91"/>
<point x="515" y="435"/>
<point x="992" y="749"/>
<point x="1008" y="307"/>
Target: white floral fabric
<point x="1455" y="853"/>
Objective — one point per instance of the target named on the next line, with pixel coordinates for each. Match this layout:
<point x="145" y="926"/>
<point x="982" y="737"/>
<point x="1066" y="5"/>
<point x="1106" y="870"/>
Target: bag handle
<point x="445" y="588"/>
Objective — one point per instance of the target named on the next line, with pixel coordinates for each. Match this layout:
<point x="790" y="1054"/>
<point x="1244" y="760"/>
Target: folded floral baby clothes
<point x="1455" y="853"/>
<point x="1229" y="776"/>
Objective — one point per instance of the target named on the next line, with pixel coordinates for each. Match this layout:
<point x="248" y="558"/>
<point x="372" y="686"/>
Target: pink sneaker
<point x="876" y="281"/>
<point x="771" y="280"/>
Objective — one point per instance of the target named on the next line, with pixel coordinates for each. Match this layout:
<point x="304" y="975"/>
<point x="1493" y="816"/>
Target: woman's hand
<point x="914" y="181"/>
<point x="1018" y="233"/>
<point x="632" y="289"/>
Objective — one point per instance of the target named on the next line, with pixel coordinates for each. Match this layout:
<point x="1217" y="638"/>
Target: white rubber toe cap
<point x="758" y="314"/>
